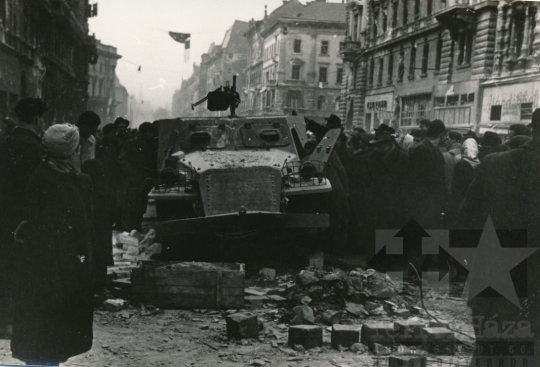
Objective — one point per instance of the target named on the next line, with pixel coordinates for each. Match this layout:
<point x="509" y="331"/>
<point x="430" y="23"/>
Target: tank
<point x="235" y="178"/>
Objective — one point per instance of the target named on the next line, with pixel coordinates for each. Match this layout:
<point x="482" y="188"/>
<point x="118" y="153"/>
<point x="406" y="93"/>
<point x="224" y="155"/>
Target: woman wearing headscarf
<point x="54" y="299"/>
<point x="463" y="173"/>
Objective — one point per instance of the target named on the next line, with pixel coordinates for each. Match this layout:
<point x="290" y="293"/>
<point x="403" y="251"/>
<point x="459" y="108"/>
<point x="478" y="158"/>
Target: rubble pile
<point x="134" y="246"/>
<point x="327" y="296"/>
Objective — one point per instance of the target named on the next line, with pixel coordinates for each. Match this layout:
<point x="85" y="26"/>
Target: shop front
<point x="379" y="109"/>
<point x="456" y="104"/>
<point x="507" y="104"/>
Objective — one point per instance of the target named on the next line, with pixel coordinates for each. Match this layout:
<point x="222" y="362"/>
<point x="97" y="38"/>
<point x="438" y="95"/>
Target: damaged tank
<point x="236" y="178"/>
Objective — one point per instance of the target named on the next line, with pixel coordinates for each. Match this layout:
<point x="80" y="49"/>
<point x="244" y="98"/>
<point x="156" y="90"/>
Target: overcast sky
<point x="138" y="28"/>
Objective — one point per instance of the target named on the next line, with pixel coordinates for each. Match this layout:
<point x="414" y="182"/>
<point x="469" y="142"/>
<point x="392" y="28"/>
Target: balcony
<point x="350" y="49"/>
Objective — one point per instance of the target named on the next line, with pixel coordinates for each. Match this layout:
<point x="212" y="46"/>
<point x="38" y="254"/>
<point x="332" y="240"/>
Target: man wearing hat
<point x="88" y="124"/>
<point x="385" y="170"/>
<point x="54" y="299"/>
<point x="505" y="189"/>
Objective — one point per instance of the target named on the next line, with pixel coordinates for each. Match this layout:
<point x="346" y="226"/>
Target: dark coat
<point x="20" y="154"/>
<point x="427" y="194"/>
<point x="108" y="152"/>
<point x="461" y="181"/>
<point x="103" y="220"/>
<point x="506" y="188"/>
<point x="54" y="298"/>
<point x="138" y="160"/>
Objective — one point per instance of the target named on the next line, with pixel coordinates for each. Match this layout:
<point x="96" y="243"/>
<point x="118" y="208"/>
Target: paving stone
<point x="404" y="361"/>
<point x="377" y="332"/>
<point x="114" y="305"/>
<point x="274" y="298"/>
<point x="330" y="317"/>
<point x="402" y="312"/>
<point x="242" y="325"/>
<point x="304" y="316"/>
<point x="254" y="303"/>
<point x="355" y="309"/>
<point x="409" y="332"/>
<point x="344" y="335"/>
<point x="370" y="305"/>
<point x="439" y="340"/>
<point x="307" y="277"/>
<point x="308" y="336"/>
<point x="254" y="292"/>
<point x="258" y="362"/>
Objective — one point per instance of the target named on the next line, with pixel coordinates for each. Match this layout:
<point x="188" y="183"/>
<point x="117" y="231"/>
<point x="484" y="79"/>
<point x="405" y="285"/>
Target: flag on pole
<point x="184" y="38"/>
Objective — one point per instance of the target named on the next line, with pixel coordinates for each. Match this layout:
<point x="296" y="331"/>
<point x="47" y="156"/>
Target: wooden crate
<point x="189" y="285"/>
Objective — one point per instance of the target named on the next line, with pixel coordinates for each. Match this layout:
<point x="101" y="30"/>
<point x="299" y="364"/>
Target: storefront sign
<point x="512" y="99"/>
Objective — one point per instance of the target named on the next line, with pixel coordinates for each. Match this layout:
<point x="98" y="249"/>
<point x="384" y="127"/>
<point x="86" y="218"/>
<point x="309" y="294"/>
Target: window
<point x="401" y="66"/>
<point x="356" y="24"/>
<point x="452" y="100"/>
<point x="324" y="48"/>
<point x="412" y="61"/>
<point x="425" y="59"/>
<point x="465" y="47"/>
<point x="395" y="6"/>
<point x="415" y="108"/>
<point x="322" y="74"/>
<point x="338" y="100"/>
<point x="390" y="70"/>
<point x="294" y="98"/>
<point x="371" y="71"/>
<point x="416" y="9"/>
<point x="381" y="66"/>
<point x="267" y="75"/>
<point x="526" y="111"/>
<point x="495" y="113"/>
<point x="375" y="22"/>
<point x="384" y="21"/>
<point x="405" y="12"/>
<point x="339" y="76"/>
<point x="320" y="103"/>
<point x="440" y="102"/>
<point x="297" y="46"/>
<point x="429" y="9"/>
<point x="295" y="72"/>
<point x="519" y="22"/>
<point x="438" y="53"/>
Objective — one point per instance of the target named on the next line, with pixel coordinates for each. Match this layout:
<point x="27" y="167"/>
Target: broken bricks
<point x="344" y="335"/>
<point x="308" y="336"/>
<point x="242" y="325"/>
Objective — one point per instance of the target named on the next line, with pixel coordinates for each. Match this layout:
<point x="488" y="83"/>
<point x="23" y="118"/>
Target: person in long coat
<point x="463" y="174"/>
<point x="138" y="160"/>
<point x="20" y="154"/>
<point x="54" y="299"/>
<point x="103" y="200"/>
<point x="505" y="188"/>
<point x="427" y="193"/>
<point x="386" y="169"/>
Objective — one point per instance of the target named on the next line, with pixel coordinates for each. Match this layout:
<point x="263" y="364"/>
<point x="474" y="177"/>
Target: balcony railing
<point x="349" y="50"/>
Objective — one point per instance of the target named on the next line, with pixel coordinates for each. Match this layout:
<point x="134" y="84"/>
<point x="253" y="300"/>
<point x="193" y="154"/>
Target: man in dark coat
<point x="20" y="154"/>
<point x="103" y="199"/>
<point x="386" y="169"/>
<point x="138" y="160"/>
<point x="427" y="192"/>
<point x="506" y="189"/>
<point x="53" y="294"/>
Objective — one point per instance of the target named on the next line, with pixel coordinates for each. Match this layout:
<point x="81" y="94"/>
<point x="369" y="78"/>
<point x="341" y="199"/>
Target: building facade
<point x="121" y="97"/>
<point x="45" y="51"/>
<point x="102" y="89"/>
<point x="294" y="62"/>
<point x="409" y="59"/>
<point x="218" y="66"/>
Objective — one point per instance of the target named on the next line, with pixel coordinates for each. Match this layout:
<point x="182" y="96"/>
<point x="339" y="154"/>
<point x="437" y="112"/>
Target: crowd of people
<point x="62" y="190"/>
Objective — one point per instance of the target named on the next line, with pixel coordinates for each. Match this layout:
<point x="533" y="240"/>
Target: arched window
<point x="320" y="103"/>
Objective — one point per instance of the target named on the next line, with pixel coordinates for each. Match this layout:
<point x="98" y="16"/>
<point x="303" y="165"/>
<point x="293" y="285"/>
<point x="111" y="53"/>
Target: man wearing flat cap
<point x="53" y="310"/>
